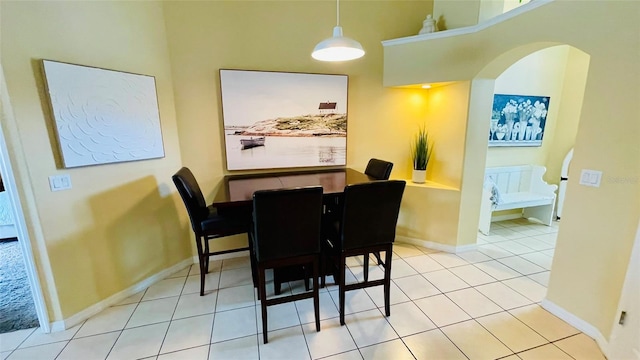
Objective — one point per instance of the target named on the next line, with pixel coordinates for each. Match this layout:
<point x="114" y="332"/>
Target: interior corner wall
<point x="206" y="36"/>
<point x="490" y="9"/>
<point x="120" y="223"/>
<point x="448" y="108"/>
<point x="456" y="14"/>
<point x="460" y="13"/>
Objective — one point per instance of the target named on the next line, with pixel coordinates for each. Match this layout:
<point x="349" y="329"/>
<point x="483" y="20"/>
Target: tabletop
<point x="239" y="189"/>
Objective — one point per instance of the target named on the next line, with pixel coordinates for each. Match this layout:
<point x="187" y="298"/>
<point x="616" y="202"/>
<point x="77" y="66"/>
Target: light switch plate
<point x="60" y="182"/>
<point x="590" y="177"/>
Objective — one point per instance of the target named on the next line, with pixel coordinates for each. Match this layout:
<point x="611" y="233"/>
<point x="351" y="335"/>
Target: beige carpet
<point x="18" y="311"/>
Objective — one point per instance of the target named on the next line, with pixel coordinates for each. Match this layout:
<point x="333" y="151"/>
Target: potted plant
<point x="421" y="152"/>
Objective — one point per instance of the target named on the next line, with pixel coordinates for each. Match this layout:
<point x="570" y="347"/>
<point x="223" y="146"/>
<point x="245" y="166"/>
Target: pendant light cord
<point x="338" y="12"/>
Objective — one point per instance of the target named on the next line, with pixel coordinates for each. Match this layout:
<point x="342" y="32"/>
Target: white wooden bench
<point x="517" y="187"/>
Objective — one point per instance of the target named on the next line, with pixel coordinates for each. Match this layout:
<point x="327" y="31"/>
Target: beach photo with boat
<point x="283" y="120"/>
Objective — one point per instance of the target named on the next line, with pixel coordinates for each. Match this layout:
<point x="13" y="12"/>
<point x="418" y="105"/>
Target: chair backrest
<point x="370" y="213"/>
<point x="286" y="222"/>
<point x="379" y="169"/>
<point x="192" y="197"/>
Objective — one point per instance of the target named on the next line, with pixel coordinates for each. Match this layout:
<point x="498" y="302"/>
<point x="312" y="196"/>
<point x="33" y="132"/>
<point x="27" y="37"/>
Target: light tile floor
<point x="480" y="304"/>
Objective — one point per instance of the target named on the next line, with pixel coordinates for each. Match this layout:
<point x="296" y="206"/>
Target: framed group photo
<point x="518" y="120"/>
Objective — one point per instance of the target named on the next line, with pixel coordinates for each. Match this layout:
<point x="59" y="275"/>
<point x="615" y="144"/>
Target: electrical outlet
<point x="60" y="182"/>
<point x="590" y="177"/>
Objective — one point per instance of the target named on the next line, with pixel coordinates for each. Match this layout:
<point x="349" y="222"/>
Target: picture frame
<point x="283" y="119"/>
<point x="518" y="120"/>
<point x="103" y="116"/>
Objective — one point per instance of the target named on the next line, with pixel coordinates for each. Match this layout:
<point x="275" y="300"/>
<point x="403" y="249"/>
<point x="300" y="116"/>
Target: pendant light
<point x="338" y="47"/>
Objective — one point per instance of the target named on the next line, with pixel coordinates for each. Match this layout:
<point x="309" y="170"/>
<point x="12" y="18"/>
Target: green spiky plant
<point x="420" y="149"/>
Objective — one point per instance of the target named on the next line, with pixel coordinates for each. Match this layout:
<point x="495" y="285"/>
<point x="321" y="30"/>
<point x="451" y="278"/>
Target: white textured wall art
<point x="103" y="116"/>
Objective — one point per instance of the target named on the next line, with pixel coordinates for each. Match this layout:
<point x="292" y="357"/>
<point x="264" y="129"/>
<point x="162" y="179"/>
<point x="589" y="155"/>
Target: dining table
<point x="237" y="190"/>
<point x="234" y="197"/>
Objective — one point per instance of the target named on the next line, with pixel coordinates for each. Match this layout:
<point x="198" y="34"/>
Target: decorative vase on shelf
<point x="419" y="176"/>
<point x="420" y="153"/>
<point x="428" y="25"/>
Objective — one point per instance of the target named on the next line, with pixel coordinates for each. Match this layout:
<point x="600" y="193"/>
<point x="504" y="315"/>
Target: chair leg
<point x="206" y="252"/>
<point x="254" y="275"/>
<point x="306" y="278"/>
<point x="262" y="290"/>
<point x="202" y="273"/>
<point x="316" y="295"/>
<point x="323" y="270"/>
<point x="377" y="254"/>
<point x="277" y="282"/>
<point x="341" y="287"/>
<point x="366" y="267"/>
<point x="252" y="257"/>
<point x="201" y="260"/>
<point x="387" y="282"/>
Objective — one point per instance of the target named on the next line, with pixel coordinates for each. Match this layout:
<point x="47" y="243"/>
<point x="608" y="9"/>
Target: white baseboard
<point x="116" y="298"/>
<point x="436" y="246"/>
<point x="577" y="323"/>
<point x="224" y="256"/>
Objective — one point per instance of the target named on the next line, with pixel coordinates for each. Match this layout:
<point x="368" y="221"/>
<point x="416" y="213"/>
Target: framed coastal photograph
<point x="103" y="116"/>
<point x="518" y="120"/>
<point x="283" y="120"/>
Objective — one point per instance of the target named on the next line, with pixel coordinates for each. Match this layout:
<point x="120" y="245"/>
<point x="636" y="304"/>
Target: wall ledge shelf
<point x="468" y="29"/>
<point x="431" y="184"/>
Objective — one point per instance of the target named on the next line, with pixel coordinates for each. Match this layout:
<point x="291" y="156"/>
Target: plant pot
<point x="419" y="176"/>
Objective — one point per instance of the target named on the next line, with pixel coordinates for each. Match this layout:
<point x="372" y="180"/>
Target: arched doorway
<point x="558" y="71"/>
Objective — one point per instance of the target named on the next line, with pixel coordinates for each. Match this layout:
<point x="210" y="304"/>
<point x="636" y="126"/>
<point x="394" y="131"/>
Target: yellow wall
<point x="279" y="35"/>
<point x="599" y="224"/>
<point x="446" y="123"/>
<point x="120" y="223"/>
<point x="480" y="102"/>
<point x="575" y="78"/>
<point x="453" y="14"/>
<point x="431" y="212"/>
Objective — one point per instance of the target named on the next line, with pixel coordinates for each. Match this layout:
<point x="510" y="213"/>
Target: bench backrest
<point x="512" y="179"/>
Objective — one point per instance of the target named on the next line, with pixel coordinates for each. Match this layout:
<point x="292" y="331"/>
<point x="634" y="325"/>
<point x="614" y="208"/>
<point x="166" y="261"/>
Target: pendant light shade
<point x="338" y="47"/>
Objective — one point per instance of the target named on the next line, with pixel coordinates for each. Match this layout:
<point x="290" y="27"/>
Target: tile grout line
<point x="376" y="307"/>
<point x="22" y="342"/>
<point x="209" y="343"/>
<point x="124" y="327"/>
<point x="173" y="314"/>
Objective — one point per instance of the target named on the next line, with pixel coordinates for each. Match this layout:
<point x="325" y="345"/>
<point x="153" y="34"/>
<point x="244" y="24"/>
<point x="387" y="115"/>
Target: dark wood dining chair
<point x="368" y="225"/>
<point x="207" y="223"/>
<point x="379" y="170"/>
<point x="376" y="169"/>
<point x="285" y="233"/>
